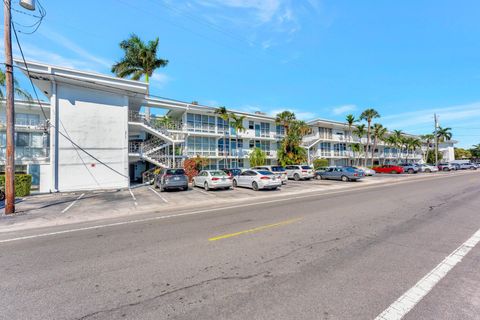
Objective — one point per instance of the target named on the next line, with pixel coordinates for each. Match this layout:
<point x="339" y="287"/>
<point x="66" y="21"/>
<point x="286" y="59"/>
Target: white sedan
<point x="368" y="171"/>
<point x="426" y="168"/>
<point x="257" y="179"/>
<point x="212" y="179"/>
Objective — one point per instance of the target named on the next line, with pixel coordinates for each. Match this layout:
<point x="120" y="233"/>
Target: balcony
<point x="27" y="154"/>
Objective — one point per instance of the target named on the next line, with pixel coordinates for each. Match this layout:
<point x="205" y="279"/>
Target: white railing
<point x="165" y="127"/>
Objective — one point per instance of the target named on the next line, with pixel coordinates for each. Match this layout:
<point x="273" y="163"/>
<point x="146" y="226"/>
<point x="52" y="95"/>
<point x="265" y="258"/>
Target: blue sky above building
<point x="318" y="58"/>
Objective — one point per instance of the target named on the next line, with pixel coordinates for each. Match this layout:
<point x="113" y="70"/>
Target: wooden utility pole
<point x="10" y="114"/>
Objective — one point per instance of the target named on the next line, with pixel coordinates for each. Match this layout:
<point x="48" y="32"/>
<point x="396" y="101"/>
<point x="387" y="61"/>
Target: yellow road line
<point x="278" y="224"/>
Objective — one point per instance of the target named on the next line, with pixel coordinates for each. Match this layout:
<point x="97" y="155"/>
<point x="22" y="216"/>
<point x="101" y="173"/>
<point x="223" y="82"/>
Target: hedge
<point x="23" y="184"/>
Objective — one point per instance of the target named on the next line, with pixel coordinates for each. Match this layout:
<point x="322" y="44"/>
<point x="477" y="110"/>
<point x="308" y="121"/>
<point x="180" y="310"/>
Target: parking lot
<point x="62" y="208"/>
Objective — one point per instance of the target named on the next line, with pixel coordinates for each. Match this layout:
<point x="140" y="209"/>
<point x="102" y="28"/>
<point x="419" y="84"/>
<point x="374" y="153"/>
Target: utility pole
<point x="436" y="138"/>
<point x="10" y="113"/>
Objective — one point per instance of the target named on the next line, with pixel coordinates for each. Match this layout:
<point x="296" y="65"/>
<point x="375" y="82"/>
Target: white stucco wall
<point x="45" y="178"/>
<point x="98" y="122"/>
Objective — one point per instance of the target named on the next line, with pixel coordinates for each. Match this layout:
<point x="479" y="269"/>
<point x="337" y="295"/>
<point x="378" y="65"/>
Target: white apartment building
<point x="100" y="139"/>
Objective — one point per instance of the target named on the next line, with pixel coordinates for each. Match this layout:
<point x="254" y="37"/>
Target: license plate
<point x="223" y="179"/>
<point x="274" y="178"/>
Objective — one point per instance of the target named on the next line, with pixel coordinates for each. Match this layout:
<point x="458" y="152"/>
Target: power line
<point x="45" y="115"/>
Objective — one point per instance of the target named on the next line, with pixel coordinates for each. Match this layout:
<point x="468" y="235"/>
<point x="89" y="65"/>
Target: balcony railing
<point x="27" y="153"/>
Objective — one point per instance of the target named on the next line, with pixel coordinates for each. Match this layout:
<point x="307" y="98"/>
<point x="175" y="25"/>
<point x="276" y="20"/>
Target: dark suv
<point x="171" y="179"/>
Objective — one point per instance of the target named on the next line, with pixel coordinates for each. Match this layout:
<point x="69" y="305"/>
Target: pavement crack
<point x="201" y="283"/>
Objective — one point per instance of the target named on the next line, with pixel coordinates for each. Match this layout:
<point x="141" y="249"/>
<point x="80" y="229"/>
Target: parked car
<point x="212" y="179"/>
<point x="426" y="168"/>
<point x="410" y="168"/>
<point x="446" y="167"/>
<point x="257" y="179"/>
<point x="279" y="171"/>
<point x="367" y="171"/>
<point x="318" y="171"/>
<point x="466" y="166"/>
<point x="388" y="168"/>
<point x="171" y="179"/>
<point x="342" y="173"/>
<point x="232" y="172"/>
<point x="298" y="172"/>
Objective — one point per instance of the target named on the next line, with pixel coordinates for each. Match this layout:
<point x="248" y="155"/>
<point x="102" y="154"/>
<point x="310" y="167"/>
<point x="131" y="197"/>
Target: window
<point x="251" y="125"/>
<point x="200" y="123"/>
<point x="251" y="144"/>
<point x="204" y="146"/>
<point x="22" y="139"/>
<point x="280" y="130"/>
<point x="264" y="129"/>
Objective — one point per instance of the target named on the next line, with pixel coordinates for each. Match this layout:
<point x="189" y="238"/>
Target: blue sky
<point x="318" y="58"/>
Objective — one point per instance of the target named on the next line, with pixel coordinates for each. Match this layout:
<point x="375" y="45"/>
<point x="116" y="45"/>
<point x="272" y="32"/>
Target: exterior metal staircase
<point x="170" y="131"/>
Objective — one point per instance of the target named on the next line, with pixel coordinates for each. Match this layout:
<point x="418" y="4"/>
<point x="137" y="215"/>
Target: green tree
<point x="355" y="147"/>
<point x="17" y="90"/>
<point x="475" y="151"/>
<point x="223" y="114"/>
<point x="461" y="153"/>
<point x="139" y="60"/>
<point x="350" y="119"/>
<point x="431" y="158"/>
<point x="292" y="152"/>
<point x="257" y="157"/>
<point x="378" y="134"/>
<point x="413" y="144"/>
<point x="237" y="124"/>
<point x="360" y="132"/>
<point x="428" y="139"/>
<point x="368" y="115"/>
<point x="444" y="134"/>
<point x="398" y="139"/>
<point x="318" y="163"/>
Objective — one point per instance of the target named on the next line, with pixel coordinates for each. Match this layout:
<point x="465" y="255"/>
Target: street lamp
<point x="10" y="108"/>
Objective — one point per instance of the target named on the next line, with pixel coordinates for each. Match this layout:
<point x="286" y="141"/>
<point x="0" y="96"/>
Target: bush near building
<point x="318" y="163"/>
<point x="193" y="166"/>
<point x="257" y="157"/>
<point x="23" y="184"/>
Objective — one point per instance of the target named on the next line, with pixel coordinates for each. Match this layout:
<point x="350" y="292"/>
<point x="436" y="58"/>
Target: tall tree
<point x="285" y="119"/>
<point x="350" y="119"/>
<point x="428" y="138"/>
<point x="18" y="91"/>
<point x="223" y="114"/>
<point x="398" y="139"/>
<point x="444" y="134"/>
<point x="378" y="134"/>
<point x="139" y="61"/>
<point x="360" y="132"/>
<point x="237" y="124"/>
<point x="368" y="115"/>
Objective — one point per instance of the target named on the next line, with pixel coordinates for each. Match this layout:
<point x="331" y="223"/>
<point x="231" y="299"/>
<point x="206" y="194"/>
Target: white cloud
<point x="159" y="80"/>
<point x="424" y="118"/>
<point x="264" y="10"/>
<point x="75" y="48"/>
<point x="344" y="109"/>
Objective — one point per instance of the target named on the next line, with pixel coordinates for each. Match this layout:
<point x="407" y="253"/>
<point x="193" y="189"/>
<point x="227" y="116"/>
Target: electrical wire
<point x="49" y="124"/>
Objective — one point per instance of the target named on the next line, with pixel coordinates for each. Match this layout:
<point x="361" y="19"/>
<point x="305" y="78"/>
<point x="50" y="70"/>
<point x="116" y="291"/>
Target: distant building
<point x="102" y="115"/>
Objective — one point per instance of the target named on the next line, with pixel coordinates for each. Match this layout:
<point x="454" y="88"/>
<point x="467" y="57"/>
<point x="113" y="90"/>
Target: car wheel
<point x="393" y="172"/>
<point x="255" y="186"/>
<point x="410" y="171"/>
<point x="428" y="170"/>
<point x="296" y="177"/>
<point x="234" y="183"/>
<point x="185" y="188"/>
<point x="446" y="169"/>
<point x="206" y="187"/>
<point x="344" y="178"/>
<point x="473" y="168"/>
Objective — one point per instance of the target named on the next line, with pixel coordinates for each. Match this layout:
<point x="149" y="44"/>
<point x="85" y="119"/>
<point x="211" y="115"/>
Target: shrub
<point x="257" y="157"/>
<point x="193" y="165"/>
<point x="23" y="184"/>
<point x="318" y="163"/>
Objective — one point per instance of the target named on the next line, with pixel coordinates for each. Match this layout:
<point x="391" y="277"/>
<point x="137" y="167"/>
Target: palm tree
<point x="428" y="138"/>
<point x="444" y="134"/>
<point x="139" y="60"/>
<point x="355" y="147"/>
<point x="368" y="115"/>
<point x="411" y="144"/>
<point x="284" y="119"/>
<point x="350" y="119"/>
<point x="17" y="90"/>
<point x="398" y="142"/>
<point x="360" y="132"/>
<point x="391" y="141"/>
<point x="378" y="134"/>
<point x="223" y="114"/>
<point x="237" y="124"/>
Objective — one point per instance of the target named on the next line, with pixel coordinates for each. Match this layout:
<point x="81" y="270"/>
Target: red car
<point x="388" y="168"/>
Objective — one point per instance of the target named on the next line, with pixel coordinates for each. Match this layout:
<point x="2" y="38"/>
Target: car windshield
<point x="217" y="173"/>
<point x="306" y="167"/>
<point x="265" y="173"/>
<point x="278" y="169"/>
<point x="175" y="171"/>
<point x="350" y="169"/>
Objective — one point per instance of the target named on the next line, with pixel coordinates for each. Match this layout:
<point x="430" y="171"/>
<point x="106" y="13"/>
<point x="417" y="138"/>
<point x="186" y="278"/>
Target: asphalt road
<point x="347" y="255"/>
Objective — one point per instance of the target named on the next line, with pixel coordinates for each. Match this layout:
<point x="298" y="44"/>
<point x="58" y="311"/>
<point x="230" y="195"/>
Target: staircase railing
<point x="159" y="124"/>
